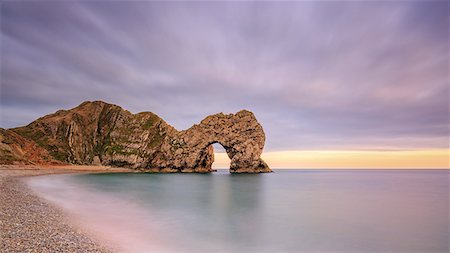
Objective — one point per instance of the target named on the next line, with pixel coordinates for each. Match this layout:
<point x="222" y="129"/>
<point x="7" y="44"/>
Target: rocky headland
<point x="98" y="133"/>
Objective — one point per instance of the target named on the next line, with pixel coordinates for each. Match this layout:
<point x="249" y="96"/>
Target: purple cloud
<point x="321" y="75"/>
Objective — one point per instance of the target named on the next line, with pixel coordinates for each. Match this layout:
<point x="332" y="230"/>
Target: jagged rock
<point x="102" y="133"/>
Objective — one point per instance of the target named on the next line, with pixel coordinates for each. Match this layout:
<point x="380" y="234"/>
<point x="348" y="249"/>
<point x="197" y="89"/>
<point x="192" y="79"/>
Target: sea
<point x="299" y="210"/>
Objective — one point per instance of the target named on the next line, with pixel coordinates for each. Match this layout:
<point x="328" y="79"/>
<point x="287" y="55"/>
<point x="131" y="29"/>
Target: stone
<point x="101" y="133"/>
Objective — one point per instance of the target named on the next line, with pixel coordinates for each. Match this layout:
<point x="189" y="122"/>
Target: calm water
<point x="286" y="211"/>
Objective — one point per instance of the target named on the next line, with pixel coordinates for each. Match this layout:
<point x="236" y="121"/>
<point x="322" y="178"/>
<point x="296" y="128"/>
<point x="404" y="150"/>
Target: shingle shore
<point x="30" y="224"/>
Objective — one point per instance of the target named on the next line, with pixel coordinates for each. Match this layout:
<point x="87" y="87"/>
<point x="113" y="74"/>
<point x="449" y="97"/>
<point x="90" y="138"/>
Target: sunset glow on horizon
<point x="350" y="159"/>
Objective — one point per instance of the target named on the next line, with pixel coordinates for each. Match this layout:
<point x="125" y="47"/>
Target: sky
<point x="319" y="76"/>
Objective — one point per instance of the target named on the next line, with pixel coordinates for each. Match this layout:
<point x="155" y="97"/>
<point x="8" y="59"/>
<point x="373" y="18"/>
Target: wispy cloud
<point x="317" y="75"/>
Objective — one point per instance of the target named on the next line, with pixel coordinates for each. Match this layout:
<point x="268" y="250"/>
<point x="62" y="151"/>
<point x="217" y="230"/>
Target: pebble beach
<point x="30" y="224"/>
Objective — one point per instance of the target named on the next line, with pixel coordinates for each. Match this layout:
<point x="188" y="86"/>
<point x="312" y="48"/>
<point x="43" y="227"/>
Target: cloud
<point x="317" y="75"/>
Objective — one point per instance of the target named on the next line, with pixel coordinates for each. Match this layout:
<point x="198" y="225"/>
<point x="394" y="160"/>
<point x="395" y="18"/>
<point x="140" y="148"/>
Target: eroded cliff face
<point x="102" y="133"/>
<point x="14" y="149"/>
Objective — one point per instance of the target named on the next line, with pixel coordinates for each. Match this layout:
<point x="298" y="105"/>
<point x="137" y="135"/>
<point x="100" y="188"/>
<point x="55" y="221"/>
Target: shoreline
<point x="29" y="223"/>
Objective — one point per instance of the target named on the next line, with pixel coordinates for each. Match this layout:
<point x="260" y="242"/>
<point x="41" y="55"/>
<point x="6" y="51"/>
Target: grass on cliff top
<point x="150" y="122"/>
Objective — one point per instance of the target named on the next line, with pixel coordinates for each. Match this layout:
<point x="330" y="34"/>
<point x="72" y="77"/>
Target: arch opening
<point x="221" y="159"/>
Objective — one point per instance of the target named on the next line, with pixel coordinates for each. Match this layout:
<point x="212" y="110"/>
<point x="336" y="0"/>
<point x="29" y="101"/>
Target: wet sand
<point x="30" y="224"/>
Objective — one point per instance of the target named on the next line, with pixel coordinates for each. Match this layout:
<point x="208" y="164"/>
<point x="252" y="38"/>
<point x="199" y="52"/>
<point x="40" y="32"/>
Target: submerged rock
<point x="102" y="133"/>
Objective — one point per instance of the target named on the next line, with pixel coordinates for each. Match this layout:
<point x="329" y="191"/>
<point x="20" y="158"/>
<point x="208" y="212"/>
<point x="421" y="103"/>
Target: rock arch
<point x="240" y="134"/>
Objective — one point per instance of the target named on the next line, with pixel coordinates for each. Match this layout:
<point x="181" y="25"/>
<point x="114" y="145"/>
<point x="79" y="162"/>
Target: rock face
<point x="102" y="133"/>
<point x="14" y="149"/>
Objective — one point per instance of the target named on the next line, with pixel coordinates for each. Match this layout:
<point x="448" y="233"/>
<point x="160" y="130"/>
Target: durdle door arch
<point x="240" y="134"/>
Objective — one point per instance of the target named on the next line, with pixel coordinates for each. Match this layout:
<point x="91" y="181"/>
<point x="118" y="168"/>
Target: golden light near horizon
<point x="350" y="159"/>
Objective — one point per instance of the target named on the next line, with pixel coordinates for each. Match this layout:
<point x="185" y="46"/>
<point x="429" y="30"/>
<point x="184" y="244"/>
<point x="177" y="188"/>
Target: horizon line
<point x="350" y="159"/>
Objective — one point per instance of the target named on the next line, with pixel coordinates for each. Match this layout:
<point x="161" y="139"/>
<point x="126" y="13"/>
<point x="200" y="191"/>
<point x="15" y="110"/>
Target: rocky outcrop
<point x="240" y="134"/>
<point x="14" y="149"/>
<point x="102" y="133"/>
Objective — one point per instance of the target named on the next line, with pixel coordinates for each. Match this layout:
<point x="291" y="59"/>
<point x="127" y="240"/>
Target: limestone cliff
<point x="102" y="133"/>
